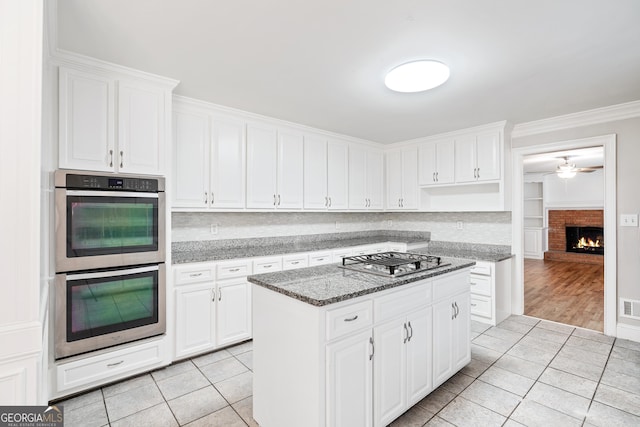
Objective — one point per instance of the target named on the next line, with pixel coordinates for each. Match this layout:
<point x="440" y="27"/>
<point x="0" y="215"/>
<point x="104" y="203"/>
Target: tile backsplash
<point x="477" y="227"/>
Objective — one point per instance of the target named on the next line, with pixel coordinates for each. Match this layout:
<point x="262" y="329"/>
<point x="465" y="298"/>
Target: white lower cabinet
<point x="451" y="337"/>
<point x="211" y="313"/>
<point x="350" y="381"/>
<point x="491" y="291"/>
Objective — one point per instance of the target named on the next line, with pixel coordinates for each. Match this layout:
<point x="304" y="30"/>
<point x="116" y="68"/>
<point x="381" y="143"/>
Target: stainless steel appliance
<point x="392" y="264"/>
<point x="99" y="309"/>
<point x="110" y="285"/>
<point x="108" y="220"/>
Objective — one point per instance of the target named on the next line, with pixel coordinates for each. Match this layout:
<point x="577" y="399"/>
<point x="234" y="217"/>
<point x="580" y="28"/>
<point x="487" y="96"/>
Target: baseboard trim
<point x="628" y="332"/>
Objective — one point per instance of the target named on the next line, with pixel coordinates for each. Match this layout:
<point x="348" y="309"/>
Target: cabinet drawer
<point x="480" y="285"/>
<point x="402" y="301"/>
<point x="320" y="258"/>
<point x="338" y="254"/>
<point x="350" y="318"/>
<point x="482" y="267"/>
<point x="481" y="306"/>
<point x="291" y="262"/>
<point x="194" y="273"/>
<point x="231" y="269"/>
<point x="450" y="285"/>
<point x="108" y="366"/>
<point x="267" y="265"/>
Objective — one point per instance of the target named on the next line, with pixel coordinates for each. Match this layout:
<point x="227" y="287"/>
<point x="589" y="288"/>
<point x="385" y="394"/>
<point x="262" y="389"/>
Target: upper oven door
<point x="98" y="229"/>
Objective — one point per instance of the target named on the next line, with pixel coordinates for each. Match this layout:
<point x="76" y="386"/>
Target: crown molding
<point x="611" y="113"/>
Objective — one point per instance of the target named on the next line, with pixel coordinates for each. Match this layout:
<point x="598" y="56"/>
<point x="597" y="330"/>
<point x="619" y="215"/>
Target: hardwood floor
<point x="565" y="292"/>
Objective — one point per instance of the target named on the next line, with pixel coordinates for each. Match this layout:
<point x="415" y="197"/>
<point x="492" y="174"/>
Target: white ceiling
<point x="322" y="63"/>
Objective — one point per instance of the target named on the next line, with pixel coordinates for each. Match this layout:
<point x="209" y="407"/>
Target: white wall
<point x="585" y="190"/>
<point x="628" y="193"/>
<point x="478" y="227"/>
<point x="20" y="114"/>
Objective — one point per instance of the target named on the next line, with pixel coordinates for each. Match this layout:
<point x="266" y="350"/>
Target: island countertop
<point x="329" y="284"/>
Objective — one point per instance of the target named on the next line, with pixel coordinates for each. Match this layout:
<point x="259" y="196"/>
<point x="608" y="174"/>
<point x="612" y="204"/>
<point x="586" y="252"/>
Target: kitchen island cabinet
<point x="342" y="348"/>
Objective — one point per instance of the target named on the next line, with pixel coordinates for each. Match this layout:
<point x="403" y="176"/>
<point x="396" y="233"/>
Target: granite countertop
<point x="466" y="254"/>
<point x="185" y="252"/>
<point x="329" y="284"/>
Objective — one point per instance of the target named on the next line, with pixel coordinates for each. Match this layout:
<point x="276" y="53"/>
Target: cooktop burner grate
<point x="392" y="264"/>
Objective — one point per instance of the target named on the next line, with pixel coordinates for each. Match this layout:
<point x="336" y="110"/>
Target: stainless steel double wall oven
<point x="110" y="253"/>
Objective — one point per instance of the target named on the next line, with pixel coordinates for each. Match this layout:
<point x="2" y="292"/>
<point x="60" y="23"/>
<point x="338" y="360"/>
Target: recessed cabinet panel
<point x="337" y="174"/>
<point x="375" y="179"/>
<point x="394" y="179"/>
<point x="315" y="173"/>
<point x="465" y="154"/>
<point x="87" y="121"/>
<point x="228" y="164"/>
<point x="488" y="156"/>
<point x="141" y="116"/>
<point x="233" y="311"/>
<point x="290" y="172"/>
<point x="190" y="159"/>
<point x="195" y="313"/>
<point x="262" y="159"/>
<point x="357" y="178"/>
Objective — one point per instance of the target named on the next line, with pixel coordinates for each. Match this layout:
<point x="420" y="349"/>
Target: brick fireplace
<point x="558" y="221"/>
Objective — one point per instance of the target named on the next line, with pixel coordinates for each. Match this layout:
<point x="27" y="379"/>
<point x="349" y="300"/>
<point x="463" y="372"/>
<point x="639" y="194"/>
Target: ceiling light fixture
<point x="566" y="170"/>
<point x="417" y="76"/>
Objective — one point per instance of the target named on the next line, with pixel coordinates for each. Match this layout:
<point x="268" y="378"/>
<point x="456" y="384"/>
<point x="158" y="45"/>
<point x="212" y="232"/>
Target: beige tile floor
<point x="523" y="372"/>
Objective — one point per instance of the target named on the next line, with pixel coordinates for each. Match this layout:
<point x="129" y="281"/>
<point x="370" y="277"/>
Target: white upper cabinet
<point x="365" y="178"/>
<point x="87" y="118"/>
<point x="111" y="123"/>
<point x="290" y="170"/>
<point x="325" y="173"/>
<point x="208" y="160"/>
<point x="402" y="179"/>
<point x="191" y="162"/>
<point x="436" y="162"/>
<point x="477" y="157"/>
<point x="262" y="157"/>
<point x="141" y="137"/>
<point x="227" y="163"/>
<point x="274" y="168"/>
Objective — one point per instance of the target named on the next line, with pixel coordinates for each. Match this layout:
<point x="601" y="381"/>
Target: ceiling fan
<point x="568" y="170"/>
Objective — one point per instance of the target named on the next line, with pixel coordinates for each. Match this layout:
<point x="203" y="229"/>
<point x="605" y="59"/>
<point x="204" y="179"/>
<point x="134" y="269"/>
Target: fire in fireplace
<point x="587" y="240"/>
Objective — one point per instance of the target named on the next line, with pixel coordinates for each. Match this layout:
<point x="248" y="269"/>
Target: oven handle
<point x="111" y="273"/>
<point x="111" y="194"/>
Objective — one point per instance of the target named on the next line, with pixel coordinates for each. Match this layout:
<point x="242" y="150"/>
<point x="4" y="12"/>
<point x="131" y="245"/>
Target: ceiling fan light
<point x="417" y="76"/>
<point x="566" y="174"/>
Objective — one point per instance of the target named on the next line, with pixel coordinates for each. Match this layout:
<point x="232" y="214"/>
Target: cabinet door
<point x="419" y="351"/>
<point x="445" y="161"/>
<point x="349" y="382"/>
<point x="427" y="163"/>
<point x="141" y="139"/>
<point x="190" y="159"/>
<point x="461" y="351"/>
<point x="233" y="311"/>
<point x="394" y="179"/>
<point x="227" y="163"/>
<point x="390" y="371"/>
<point x="375" y="179"/>
<point x="488" y="156"/>
<point x="465" y="158"/>
<point x="315" y="173"/>
<point x="409" y="179"/>
<point x="290" y="171"/>
<point x="358" y="178"/>
<point x="86" y="121"/>
<point x="261" y="167"/>
<point x="532" y="242"/>
<point x="337" y="171"/>
<point x="443" y="313"/>
<point x="194" y="319"/>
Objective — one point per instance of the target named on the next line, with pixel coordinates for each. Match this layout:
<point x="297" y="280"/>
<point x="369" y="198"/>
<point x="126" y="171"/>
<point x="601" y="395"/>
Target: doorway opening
<point x="554" y="279"/>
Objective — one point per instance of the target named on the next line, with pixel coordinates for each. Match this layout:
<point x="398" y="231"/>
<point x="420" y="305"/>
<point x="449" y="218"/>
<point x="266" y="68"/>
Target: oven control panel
<point x="112" y="183"/>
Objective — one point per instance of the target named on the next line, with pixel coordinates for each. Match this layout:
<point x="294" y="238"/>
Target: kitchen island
<point x="335" y="347"/>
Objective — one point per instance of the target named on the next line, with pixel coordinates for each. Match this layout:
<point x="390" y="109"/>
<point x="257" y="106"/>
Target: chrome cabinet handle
<point x="434" y="177"/>
<point x="473" y="283"/>
<point x="478" y="173"/>
<point x="351" y="319"/>
<point x="437" y="179"/>
<point x="195" y="274"/>
<point x="213" y="295"/>
<point x="206" y="198"/>
<point x="111" y="365"/>
<point x="326" y="202"/>
<point x="278" y="200"/>
<point x="402" y="202"/>
<point x="267" y="266"/>
<point x="473" y="305"/>
<point x="212" y="198"/>
<point x="453" y="314"/>
<point x="295" y="262"/>
<point x="219" y="294"/>
<point x="121" y="158"/>
<point x="110" y="158"/>
<point x="373" y="349"/>
<point x="410" y="331"/>
<point x="274" y="200"/>
<point x="329" y="201"/>
<point x="406" y="333"/>
<point x="233" y="270"/>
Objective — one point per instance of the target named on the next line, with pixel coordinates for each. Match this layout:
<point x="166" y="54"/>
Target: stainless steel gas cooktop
<point x="392" y="264"/>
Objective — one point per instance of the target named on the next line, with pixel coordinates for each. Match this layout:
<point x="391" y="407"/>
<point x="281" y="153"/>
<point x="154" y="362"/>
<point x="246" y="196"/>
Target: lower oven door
<point x="100" y="309"/>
